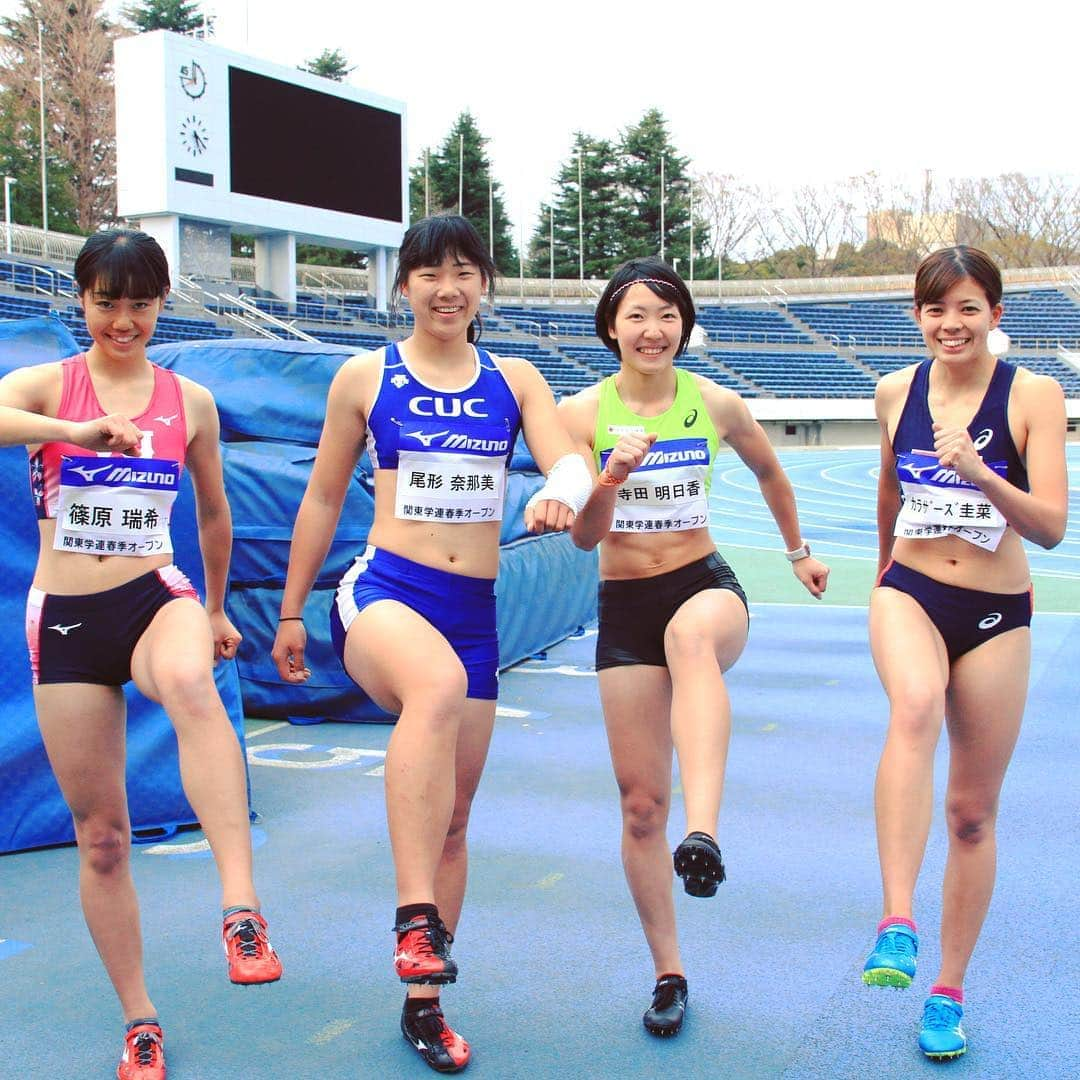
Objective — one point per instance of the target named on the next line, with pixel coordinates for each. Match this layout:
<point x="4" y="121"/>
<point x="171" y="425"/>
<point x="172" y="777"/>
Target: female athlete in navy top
<point x="414" y="618"/>
<point x="972" y="460"/>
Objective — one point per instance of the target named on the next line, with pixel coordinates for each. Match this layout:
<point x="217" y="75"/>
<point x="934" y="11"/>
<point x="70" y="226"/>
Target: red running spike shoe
<point x="422" y="954"/>
<point x="144" y="1054"/>
<point x="250" y="955"/>
<point x="435" y="1041"/>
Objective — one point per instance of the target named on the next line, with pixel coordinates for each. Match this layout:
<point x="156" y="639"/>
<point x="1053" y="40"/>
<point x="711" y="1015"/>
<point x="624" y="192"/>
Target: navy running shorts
<point x="461" y="608"/>
<point x="635" y="612"/>
<point x="90" y="639"/>
<point x="964" y="618"/>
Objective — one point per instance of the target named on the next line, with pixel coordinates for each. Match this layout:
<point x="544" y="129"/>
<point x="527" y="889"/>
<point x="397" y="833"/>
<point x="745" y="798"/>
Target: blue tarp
<point x="32" y="812"/>
<point x="272" y="396"/>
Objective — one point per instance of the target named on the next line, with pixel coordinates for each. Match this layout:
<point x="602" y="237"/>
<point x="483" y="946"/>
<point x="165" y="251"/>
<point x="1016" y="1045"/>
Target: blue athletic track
<point x="554" y="970"/>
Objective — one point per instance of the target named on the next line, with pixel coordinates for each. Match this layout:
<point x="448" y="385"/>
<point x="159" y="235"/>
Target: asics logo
<point x="983" y="438"/>
<point x="691" y="418"/>
<point x="990" y="621"/>
<point x="167" y="420"/>
<point x="422" y="438"/>
<point x="89" y="474"/>
<point x="65" y="630"/>
<point x="426" y="405"/>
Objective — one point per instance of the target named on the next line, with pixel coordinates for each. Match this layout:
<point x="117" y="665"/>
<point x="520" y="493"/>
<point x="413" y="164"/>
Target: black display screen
<point x="303" y="146"/>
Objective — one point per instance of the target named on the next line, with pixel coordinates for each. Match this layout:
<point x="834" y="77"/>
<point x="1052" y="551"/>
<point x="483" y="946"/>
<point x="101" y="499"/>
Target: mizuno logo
<point x="919" y="470"/>
<point x="124" y="474"/>
<point x="463" y="442"/>
<point x="167" y="420"/>
<point x="64" y="630"/>
<point x="89" y="474"/>
<point x="424" y="439"/>
<point x="990" y="621"/>
<point x="691" y="418"/>
<point x="675" y="457"/>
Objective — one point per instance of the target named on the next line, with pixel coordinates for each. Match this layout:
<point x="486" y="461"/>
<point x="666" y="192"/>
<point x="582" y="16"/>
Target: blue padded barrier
<point x="32" y="812"/>
<point x="273" y="390"/>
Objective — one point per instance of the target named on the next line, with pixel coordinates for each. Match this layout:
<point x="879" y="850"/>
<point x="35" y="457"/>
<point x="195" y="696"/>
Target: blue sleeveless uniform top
<point x="989" y="429"/>
<point x="451" y="447"/>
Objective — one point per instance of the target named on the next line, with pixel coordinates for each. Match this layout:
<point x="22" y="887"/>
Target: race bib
<point x="451" y="473"/>
<point x="666" y="492"/>
<point x="937" y="502"/>
<point x="116" y="505"/>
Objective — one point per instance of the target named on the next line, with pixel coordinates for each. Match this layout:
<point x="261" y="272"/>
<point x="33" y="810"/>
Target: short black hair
<point x="430" y="240"/>
<point x="122" y="262"/>
<point x="658" y="278"/>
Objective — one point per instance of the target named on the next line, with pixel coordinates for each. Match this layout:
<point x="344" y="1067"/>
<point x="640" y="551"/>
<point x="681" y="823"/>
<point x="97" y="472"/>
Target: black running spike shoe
<point x="664" y="1016"/>
<point x="422" y="954"/>
<point x="435" y="1041"/>
<point x="697" y="861"/>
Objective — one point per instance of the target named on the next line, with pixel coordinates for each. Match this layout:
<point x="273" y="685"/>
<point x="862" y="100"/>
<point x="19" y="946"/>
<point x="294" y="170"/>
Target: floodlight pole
<point x="551" y="250"/>
<point x="44" y="169"/>
<point x="9" y="181"/>
<point x="461" y="175"/>
<point x="491" y="214"/>
<point x="691" y="182"/>
<point x="580" y="227"/>
<point x="662" y="197"/>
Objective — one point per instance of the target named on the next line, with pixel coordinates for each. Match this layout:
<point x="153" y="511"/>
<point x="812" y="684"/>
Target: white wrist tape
<point x="568" y="482"/>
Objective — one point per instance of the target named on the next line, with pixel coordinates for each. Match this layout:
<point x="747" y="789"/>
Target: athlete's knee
<point x="688" y="641"/>
<point x="438" y="695"/>
<point x="644" y="812"/>
<point x="104" y="846"/>
<point x="917" y="713"/>
<point x="187" y="685"/>
<point x="970" y="818"/>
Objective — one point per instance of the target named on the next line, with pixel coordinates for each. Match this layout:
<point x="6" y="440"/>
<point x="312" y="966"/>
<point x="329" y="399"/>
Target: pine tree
<point x="438" y="173"/>
<point x="181" y="16"/>
<point x="330" y="64"/>
<point x="641" y="149"/>
<point x="587" y="214"/>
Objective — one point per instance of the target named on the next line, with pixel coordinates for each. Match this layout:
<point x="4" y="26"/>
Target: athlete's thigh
<point x="177" y="647"/>
<point x="908" y="651"/>
<point x="636" y="699"/>
<point x="985" y="706"/>
<point x="82" y="726"/>
<point x="715" y="616"/>
<point x="394" y="653"/>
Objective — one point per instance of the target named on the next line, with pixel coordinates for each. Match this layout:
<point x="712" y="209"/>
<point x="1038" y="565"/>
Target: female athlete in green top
<point x="673" y="617"/>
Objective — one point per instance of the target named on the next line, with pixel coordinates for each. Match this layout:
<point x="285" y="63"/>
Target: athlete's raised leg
<point x="173" y="664"/>
<point x="985" y="707"/>
<point x="703" y="639"/>
<point x="425" y="684"/>
<point x="98" y="802"/>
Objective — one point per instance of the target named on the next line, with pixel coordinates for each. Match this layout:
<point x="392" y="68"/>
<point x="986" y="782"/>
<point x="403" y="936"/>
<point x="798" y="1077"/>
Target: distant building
<point x="924" y="232"/>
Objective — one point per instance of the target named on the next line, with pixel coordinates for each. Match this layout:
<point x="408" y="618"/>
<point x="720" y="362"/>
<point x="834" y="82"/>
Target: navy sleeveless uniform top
<point x="451" y="448"/>
<point x="989" y="429"/>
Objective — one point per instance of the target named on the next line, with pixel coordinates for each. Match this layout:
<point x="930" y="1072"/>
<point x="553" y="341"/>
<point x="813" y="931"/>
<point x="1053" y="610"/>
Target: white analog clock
<point x="194" y="136"/>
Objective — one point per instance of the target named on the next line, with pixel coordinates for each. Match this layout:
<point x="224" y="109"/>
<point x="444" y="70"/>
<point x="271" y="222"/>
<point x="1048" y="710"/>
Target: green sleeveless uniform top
<point x="669" y="490"/>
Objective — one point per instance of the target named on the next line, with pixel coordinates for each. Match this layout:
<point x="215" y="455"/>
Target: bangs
<point x="442" y="237"/>
<point x="123" y="273"/>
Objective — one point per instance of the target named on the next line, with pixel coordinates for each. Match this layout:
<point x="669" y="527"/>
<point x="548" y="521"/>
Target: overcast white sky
<point x="779" y="92"/>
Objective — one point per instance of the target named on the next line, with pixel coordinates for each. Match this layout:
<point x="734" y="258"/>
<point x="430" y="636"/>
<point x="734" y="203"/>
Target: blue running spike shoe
<point x="892" y="963"/>
<point x="942" y="1037"/>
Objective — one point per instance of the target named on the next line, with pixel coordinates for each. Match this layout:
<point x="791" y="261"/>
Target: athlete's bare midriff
<point x="468" y="549"/>
<point x="73" y="573"/>
<point x="626" y="556"/>
<point x="956" y="562"/>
